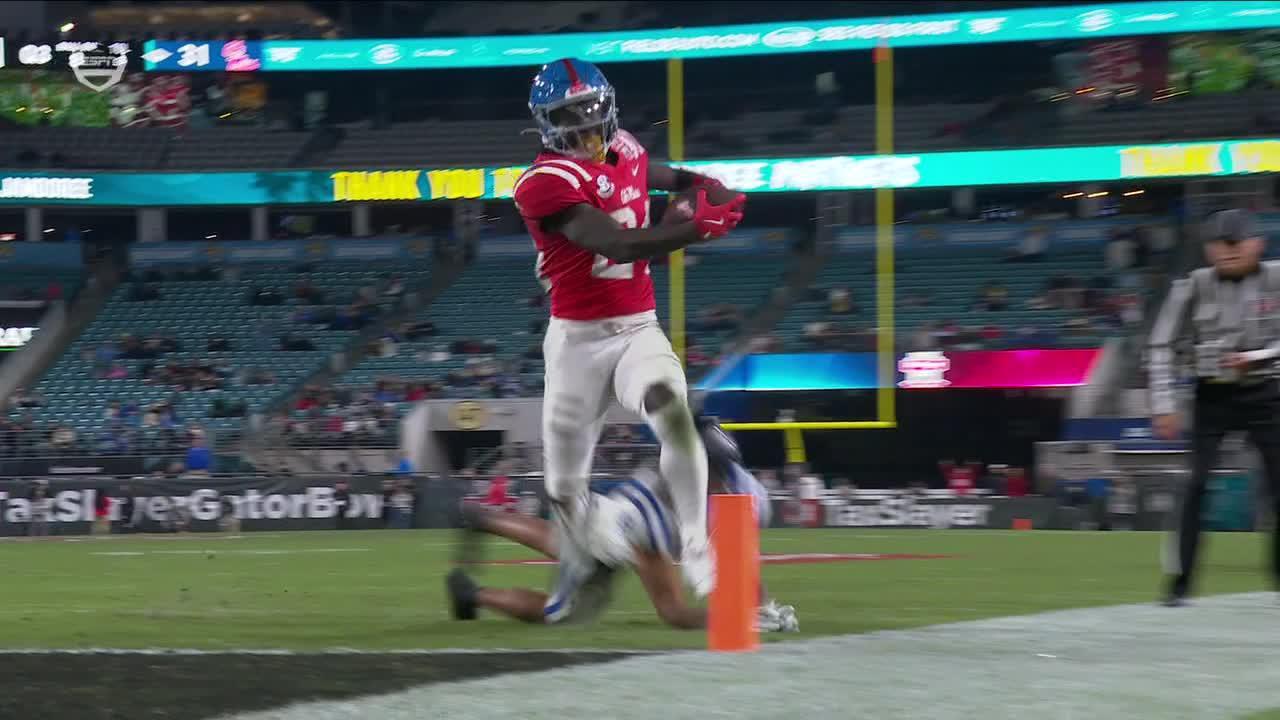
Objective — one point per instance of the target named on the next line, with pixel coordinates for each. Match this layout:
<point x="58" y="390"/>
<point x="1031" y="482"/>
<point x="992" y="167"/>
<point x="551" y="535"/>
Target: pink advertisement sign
<point x="996" y="368"/>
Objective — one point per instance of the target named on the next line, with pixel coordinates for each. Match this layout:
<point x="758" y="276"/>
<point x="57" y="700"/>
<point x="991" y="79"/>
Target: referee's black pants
<point x="1221" y="408"/>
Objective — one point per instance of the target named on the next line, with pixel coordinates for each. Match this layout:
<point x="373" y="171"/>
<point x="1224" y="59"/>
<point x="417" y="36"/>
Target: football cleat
<point x="595" y="595"/>
<point x="698" y="565"/>
<point x="462" y="595"/>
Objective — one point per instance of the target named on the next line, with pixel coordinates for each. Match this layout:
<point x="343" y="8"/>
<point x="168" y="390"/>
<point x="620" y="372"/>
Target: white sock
<point x="683" y="462"/>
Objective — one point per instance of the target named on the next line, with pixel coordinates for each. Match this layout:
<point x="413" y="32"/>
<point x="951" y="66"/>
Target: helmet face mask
<point x="581" y="126"/>
<point x="573" y="106"/>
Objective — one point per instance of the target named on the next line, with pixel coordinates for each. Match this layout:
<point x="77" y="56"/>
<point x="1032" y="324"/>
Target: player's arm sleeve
<point x="593" y="229"/>
<point x="1169" y="327"/>
<point x="664" y="177"/>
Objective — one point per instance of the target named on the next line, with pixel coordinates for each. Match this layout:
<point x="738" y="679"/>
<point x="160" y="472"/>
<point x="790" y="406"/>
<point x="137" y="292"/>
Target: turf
<point x="383" y="590"/>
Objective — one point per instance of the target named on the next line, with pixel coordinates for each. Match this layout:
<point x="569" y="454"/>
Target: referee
<point x="1229" y="315"/>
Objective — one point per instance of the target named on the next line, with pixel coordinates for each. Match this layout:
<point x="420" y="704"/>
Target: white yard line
<point x="207" y="551"/>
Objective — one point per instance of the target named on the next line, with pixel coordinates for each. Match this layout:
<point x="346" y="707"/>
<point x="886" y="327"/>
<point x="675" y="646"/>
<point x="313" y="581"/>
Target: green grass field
<point x="383" y="590"/>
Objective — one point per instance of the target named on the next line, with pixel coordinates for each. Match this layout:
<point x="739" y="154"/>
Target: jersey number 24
<point x="602" y="267"/>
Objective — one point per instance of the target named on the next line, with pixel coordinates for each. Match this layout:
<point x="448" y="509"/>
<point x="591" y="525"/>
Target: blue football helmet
<point x="573" y="106"/>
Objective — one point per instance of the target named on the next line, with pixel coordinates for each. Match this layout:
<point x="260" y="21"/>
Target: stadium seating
<point x="850" y="130"/>
<point x="952" y="278"/>
<point x="35" y="283"/>
<point x="233" y="148"/>
<point x="494" y="301"/>
<point x="77" y="147"/>
<point x="190" y="312"/>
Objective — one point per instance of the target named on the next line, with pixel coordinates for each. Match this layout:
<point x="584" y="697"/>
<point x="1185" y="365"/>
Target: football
<point x="681" y="205"/>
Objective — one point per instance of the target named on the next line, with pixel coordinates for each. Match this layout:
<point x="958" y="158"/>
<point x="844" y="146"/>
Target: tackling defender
<point x="643" y="517"/>
<point x="585" y="202"/>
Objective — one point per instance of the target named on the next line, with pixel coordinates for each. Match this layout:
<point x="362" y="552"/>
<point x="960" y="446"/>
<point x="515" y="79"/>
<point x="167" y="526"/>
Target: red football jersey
<point x="583" y="285"/>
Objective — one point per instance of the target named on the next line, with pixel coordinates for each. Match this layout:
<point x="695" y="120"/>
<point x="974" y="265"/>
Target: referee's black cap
<point x="1230" y="226"/>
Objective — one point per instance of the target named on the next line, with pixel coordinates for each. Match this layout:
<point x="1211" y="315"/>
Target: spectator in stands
<point x="341" y="500"/>
<point x="1095" y="296"/>
<point x="817" y="333"/>
<point x="760" y="344"/>
<point x="53" y="291"/>
<point x="62" y="438"/>
<point x="106" y="352"/>
<point x="1015" y="482"/>
<point x="991" y="336"/>
<point x="1078" y="327"/>
<point x="21" y="398"/>
<point x="1129" y="308"/>
<point x="471" y="346"/>
<point x="993" y="296"/>
<point x="308" y="293"/>
<point x="199" y="459"/>
<point x="402" y="503"/>
<point x="41" y="504"/>
<point x="404" y="466"/>
<point x="947" y="334"/>
<point x="961" y="479"/>
<point x="1121" y="251"/>
<point x="395" y="287"/>
<point x="718" y="317"/>
<point x="840" y="301"/>
<point x="218" y="343"/>
<point x="923" y="338"/>
<point x="417" y="392"/>
<point x="113" y="438"/>
<point x="114" y="371"/>
<point x="1032" y="246"/>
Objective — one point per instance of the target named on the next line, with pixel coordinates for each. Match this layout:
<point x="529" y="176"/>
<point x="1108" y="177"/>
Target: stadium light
<point x="67" y="27"/>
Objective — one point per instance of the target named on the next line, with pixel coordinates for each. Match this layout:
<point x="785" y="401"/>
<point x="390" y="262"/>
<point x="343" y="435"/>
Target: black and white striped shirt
<point x="1215" y="317"/>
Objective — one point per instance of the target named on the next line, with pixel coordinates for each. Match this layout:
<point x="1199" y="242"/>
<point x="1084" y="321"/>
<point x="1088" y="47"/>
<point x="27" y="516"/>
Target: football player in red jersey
<point x="585" y="201"/>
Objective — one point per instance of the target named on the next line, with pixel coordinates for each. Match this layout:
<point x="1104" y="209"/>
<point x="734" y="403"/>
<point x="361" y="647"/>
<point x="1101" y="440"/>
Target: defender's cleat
<point x="462" y="595"/>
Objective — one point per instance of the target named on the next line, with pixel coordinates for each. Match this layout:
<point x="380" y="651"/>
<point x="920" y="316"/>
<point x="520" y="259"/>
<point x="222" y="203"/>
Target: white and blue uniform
<point x="630" y="509"/>
<point x="637" y="505"/>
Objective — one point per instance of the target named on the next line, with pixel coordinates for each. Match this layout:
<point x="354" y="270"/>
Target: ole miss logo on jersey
<point x="583" y="285"/>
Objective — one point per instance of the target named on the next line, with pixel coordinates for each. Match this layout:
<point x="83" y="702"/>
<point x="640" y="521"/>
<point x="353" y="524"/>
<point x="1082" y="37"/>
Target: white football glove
<point x="773" y="617"/>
